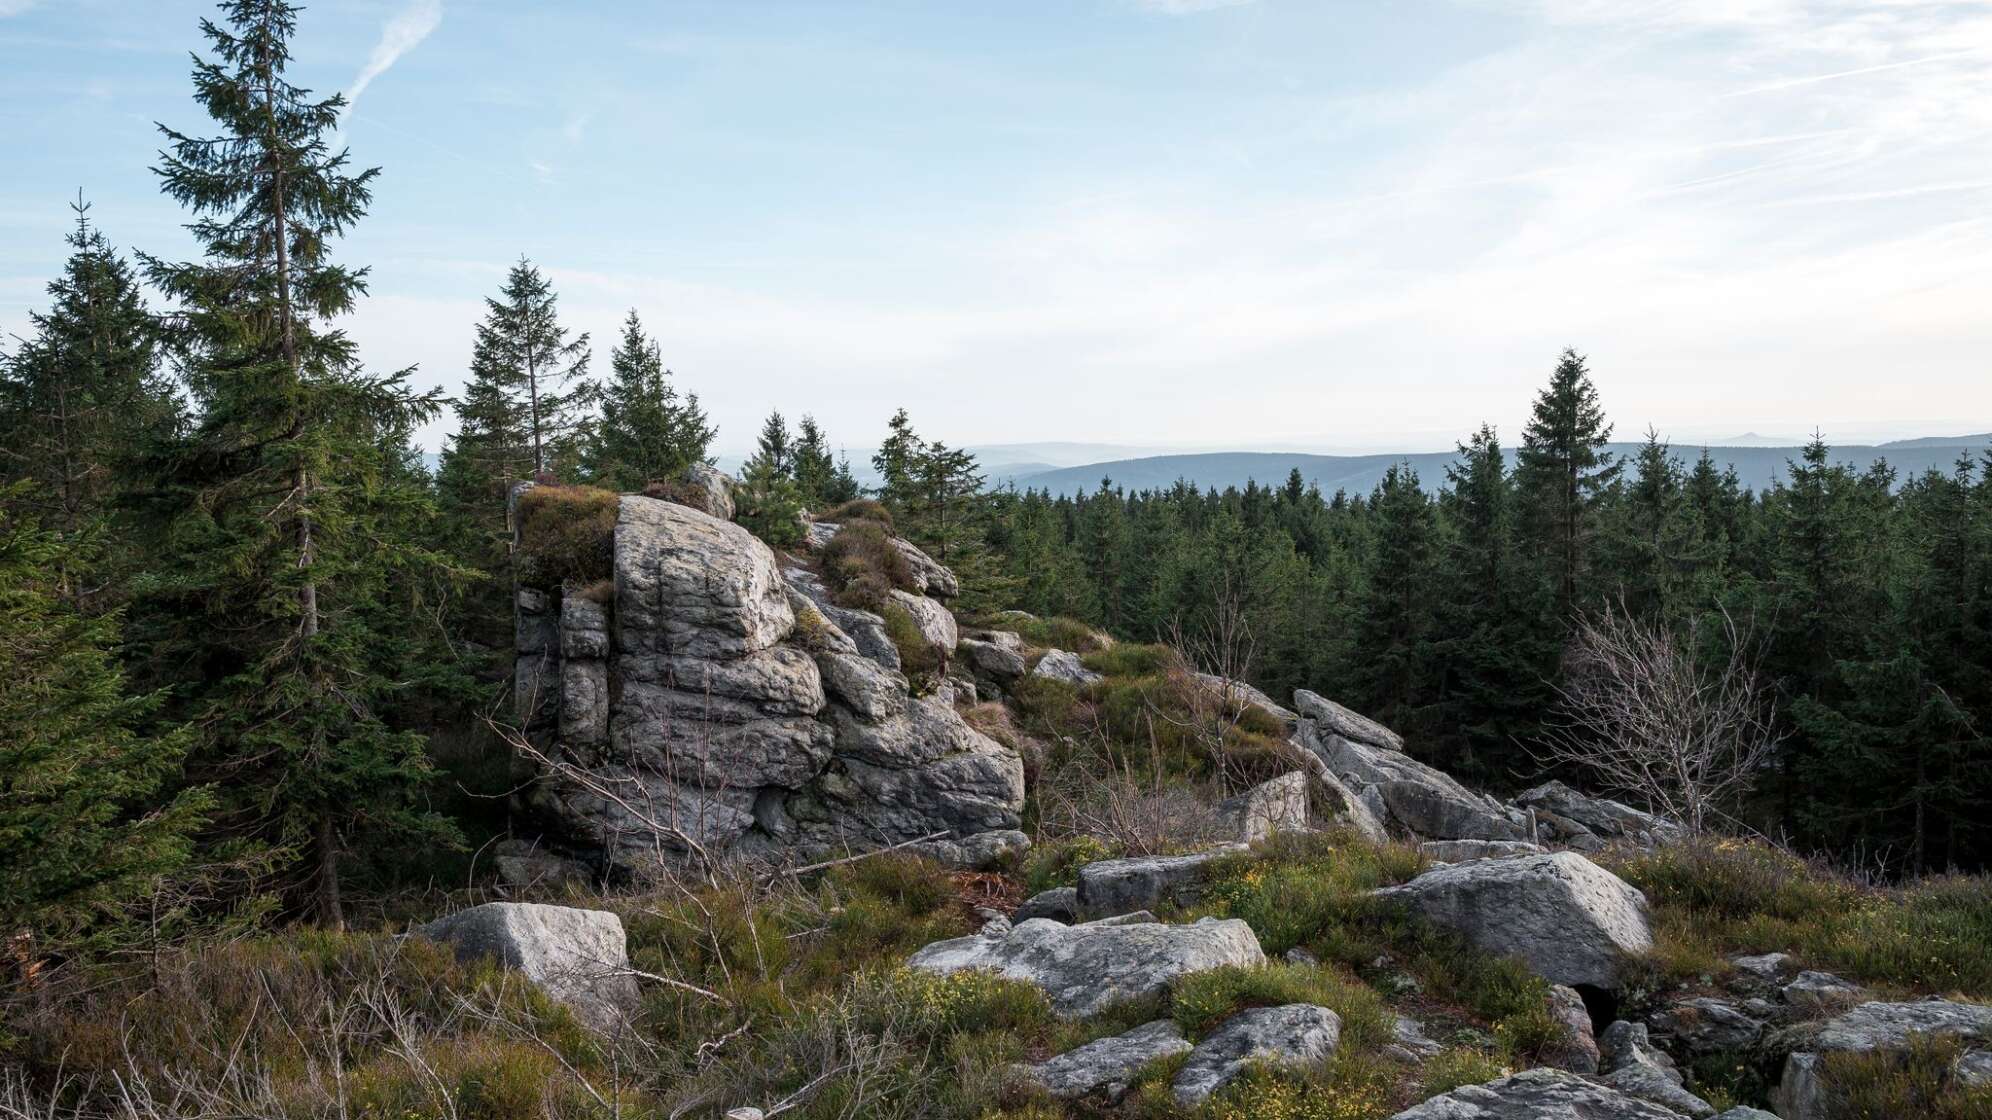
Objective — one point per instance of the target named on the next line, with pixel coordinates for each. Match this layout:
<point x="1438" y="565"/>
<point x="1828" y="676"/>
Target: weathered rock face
<point x="1105" y="1067"/>
<point x="1236" y="695"/>
<point x="1400" y="792"/>
<point x="1122" y="886"/>
<point x="1085" y="969"/>
<point x="1537" y="1094"/>
<point x="1060" y="665"/>
<point x="1298" y="1034"/>
<point x="1279" y="805"/>
<point x="720" y="704"/>
<point x="579" y="957"/>
<point x="1570" y="920"/>
<point x="1586" y="823"/>
<point x="1806" y="1091"/>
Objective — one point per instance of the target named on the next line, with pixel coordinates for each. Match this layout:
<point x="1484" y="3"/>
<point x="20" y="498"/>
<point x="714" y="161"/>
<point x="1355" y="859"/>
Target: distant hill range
<point x="1756" y="466"/>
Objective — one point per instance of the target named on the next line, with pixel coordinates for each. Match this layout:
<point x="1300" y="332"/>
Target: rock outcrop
<point x="1570" y="920"/>
<point x="1278" y="805"/>
<point x="713" y="702"/>
<point x="1575" y="820"/>
<point x="1085" y="969"/>
<point x="1298" y="1034"/>
<point x="1806" y="1091"/>
<point x="1537" y="1094"/>
<point x="1402" y="794"/>
<point x="1104" y="1067"/>
<point x="579" y="957"/>
<point x="1122" y="886"/>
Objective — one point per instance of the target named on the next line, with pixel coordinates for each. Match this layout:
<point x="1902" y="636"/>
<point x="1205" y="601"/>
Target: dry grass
<point x="863" y="566"/>
<point x="566" y="536"/>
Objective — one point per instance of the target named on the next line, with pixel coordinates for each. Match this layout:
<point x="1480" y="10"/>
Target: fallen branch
<point x="807" y="868"/>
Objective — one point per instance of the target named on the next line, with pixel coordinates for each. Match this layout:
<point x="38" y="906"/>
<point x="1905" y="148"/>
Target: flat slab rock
<point x="1106" y="1066"/>
<point x="579" y="957"/>
<point x="1537" y="1094"/>
<point x="1570" y="920"/>
<point x="1298" y="1034"/>
<point x="1120" y="886"/>
<point x="1084" y="969"/>
<point x="1334" y="718"/>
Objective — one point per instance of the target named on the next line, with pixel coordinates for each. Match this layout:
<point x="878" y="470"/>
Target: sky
<point x="1248" y="224"/>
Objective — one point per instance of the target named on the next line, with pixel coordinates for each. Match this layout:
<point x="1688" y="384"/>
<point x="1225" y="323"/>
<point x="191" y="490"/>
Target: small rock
<point x="1804" y="1092"/>
<point x="1764" y="966"/>
<point x="1297" y="1034"/>
<point x="1708" y="1026"/>
<point x="1973" y="1069"/>
<point x="1115" y="886"/>
<point x="1624" y="1045"/>
<point x="1059" y="665"/>
<point x="1743" y="1112"/>
<point x="1648" y="1083"/>
<point x="1106" y="1066"/>
<point x="1300" y="956"/>
<point x="579" y="957"/>
<point x="1813" y="993"/>
<point x="1060" y="904"/>
<point x="1537" y="1094"/>
<point x="744" y="1114"/>
<point x="1409" y="1040"/>
<point x="1578" y="1052"/>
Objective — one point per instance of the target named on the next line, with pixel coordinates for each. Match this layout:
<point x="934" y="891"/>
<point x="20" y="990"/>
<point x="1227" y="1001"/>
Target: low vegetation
<point x="566" y="536"/>
<point x="864" y="567"/>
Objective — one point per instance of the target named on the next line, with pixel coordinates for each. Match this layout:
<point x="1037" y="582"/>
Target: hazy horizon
<point x="1158" y="223"/>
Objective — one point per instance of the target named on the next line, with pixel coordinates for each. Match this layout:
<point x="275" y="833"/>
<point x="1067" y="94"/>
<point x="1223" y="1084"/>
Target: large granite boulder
<point x="1331" y="718"/>
<point x="1085" y="969"/>
<point x="1806" y="1091"/>
<point x="714" y="704"/>
<point x="1537" y="1094"/>
<point x="578" y="957"/>
<point x="1298" y="1034"/>
<point x="1278" y="805"/>
<point x="1105" y="1067"/>
<point x="1570" y="920"/>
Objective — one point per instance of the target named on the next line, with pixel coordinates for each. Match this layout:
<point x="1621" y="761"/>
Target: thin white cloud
<point x="1794" y="83"/>
<point x="399" y="35"/>
<point x="14" y="7"/>
<point x="1187" y="7"/>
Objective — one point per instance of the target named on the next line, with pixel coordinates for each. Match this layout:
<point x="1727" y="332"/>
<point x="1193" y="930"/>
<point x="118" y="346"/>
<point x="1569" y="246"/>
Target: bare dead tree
<point x="1646" y="715"/>
<point x="1219" y="651"/>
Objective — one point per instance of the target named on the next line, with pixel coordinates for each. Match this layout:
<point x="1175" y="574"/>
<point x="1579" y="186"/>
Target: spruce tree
<point x="645" y="432"/>
<point x="1394" y="629"/>
<point x="1562" y="471"/>
<point x="86" y="825"/>
<point x="528" y="381"/>
<point x="814" y="470"/>
<point x="83" y="395"/>
<point x="897" y="462"/>
<point x="269" y="568"/>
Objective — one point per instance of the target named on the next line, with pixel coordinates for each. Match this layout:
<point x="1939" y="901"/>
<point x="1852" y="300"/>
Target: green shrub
<point x="918" y="658"/>
<point x="858" y="509"/>
<point x="1200" y="1001"/>
<point x="567" y="536"/>
<point x="1127" y="659"/>
<point x="863" y="566"/>
<point x="1888" y="1085"/>
<point x="1455" y="1068"/>
<point x="1059" y="633"/>
<point x="1056" y="863"/>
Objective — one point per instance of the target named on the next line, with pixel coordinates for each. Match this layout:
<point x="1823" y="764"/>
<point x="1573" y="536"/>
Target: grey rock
<point x="1973" y="1069"/>
<point x="1744" y="1112"/>
<point x="937" y="624"/>
<point x="865" y="630"/>
<point x="931" y="576"/>
<point x="1570" y="920"/>
<point x="714" y="489"/>
<point x="1537" y="1094"/>
<point x="1624" y="1045"/>
<point x="995" y="655"/>
<point x="1333" y="719"/>
<point x="979" y="852"/>
<point x="690" y="585"/>
<point x="1649" y="1084"/>
<point x="1568" y="816"/>
<point x="1279" y="805"/>
<point x="584" y="628"/>
<point x="1764" y="966"/>
<point x="1106" y="1066"/>
<point x="1116" y="886"/>
<point x="536" y="629"/>
<point x="584" y="702"/>
<point x="1805" y="1091"/>
<point x="1060" y="904"/>
<point x="1459" y="851"/>
<point x="1815" y="993"/>
<point x="1058" y="665"/>
<point x="872" y="691"/>
<point x="1704" y="1025"/>
<point x="1085" y="969"/>
<point x="1235" y="696"/>
<point x="1300" y="956"/>
<point x="522" y="863"/>
<point x="1417" y="799"/>
<point x="1344" y="805"/>
<point x="578" y="957"/>
<point x="1409" y="1039"/>
<point x="1578" y="1050"/>
<point x="1298" y="1034"/>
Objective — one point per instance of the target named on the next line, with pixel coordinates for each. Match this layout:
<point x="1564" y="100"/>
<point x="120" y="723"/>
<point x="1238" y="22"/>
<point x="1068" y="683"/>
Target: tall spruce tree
<point x="268" y="568"/>
<point x="645" y="431"/>
<point x="814" y="469"/>
<point x="1394" y="629"/>
<point x="82" y="396"/>
<point x="87" y="826"/>
<point x="1562" y="472"/>
<point x="529" y="387"/>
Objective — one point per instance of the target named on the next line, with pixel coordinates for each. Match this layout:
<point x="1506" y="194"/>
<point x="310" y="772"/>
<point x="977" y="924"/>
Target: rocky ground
<point x="810" y="845"/>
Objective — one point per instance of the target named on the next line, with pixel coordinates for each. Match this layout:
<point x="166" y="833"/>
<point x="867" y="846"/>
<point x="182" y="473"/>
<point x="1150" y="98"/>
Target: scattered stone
<point x="1804" y="1093"/>
<point x="1764" y="966"/>
<point x="1298" y="1034"/>
<point x="578" y="957"/>
<point x="1578" y="1050"/>
<point x="1058" y="665"/>
<point x="1116" y="886"/>
<point x="1333" y="719"/>
<point x="1084" y="969"/>
<point x="1300" y="956"/>
<point x="1105" y="1067"/>
<point x="1279" y="805"/>
<point x="1708" y="1026"/>
<point x="1060" y="904"/>
<point x="1459" y="851"/>
<point x="1580" y="821"/>
<point x="1409" y="1042"/>
<point x="996" y="655"/>
<point x="1570" y="920"/>
<point x="1537" y="1094"/>
<point x="1815" y="993"/>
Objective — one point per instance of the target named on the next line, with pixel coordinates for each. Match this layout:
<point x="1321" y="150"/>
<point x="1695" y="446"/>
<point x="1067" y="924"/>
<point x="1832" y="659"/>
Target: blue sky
<point x="1152" y="222"/>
